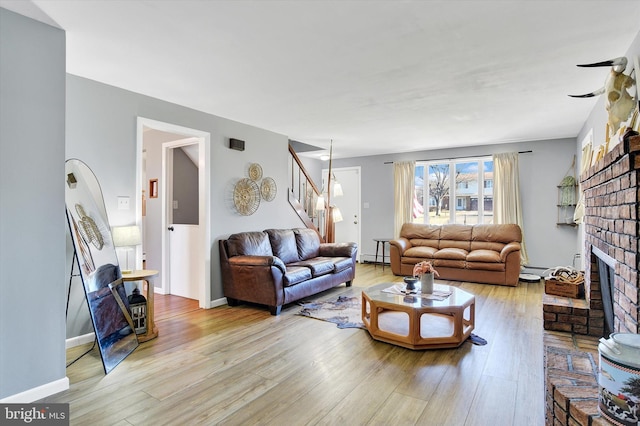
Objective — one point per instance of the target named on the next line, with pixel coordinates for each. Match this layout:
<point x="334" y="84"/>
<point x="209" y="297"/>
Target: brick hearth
<point x="565" y="314"/>
<point x="571" y="388"/>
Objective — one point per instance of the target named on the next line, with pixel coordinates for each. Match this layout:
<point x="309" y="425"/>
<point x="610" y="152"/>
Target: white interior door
<point x="183" y="227"/>
<point x="348" y="230"/>
<point x="184" y="271"/>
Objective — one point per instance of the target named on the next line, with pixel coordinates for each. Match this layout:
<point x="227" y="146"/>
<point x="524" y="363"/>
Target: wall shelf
<point x="566" y="205"/>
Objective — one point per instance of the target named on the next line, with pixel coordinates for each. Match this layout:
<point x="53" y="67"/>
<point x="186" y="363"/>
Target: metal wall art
<point x="255" y="172"/>
<point x="248" y="192"/>
<point x="268" y="189"/>
<point x="246" y="197"/>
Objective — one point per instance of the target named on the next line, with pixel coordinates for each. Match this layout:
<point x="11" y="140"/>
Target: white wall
<point x="33" y="279"/>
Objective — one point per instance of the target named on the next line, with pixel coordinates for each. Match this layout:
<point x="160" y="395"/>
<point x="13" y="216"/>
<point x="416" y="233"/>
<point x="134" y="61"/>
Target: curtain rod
<point x="454" y="158"/>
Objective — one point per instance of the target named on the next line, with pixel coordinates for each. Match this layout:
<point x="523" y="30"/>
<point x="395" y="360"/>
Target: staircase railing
<point x="303" y="197"/>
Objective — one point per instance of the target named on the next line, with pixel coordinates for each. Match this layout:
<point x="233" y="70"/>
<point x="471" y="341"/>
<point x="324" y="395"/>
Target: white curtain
<point x="507" y="207"/>
<point x="404" y="186"/>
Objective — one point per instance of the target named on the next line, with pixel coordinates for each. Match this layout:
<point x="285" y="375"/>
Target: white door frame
<point x="204" y="179"/>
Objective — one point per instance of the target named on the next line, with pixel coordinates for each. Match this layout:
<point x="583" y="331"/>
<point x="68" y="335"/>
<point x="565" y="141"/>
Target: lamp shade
<point x="320" y="203"/>
<point x="337" y="215"/>
<point x="126" y="236"/>
<point x="337" y="189"/>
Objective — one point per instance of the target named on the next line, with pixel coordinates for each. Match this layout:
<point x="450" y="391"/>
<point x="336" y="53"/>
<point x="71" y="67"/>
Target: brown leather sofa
<point x="279" y="266"/>
<point x="476" y="253"/>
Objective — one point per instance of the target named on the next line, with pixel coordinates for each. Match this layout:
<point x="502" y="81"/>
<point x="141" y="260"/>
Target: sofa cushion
<point x="487" y="245"/>
<point x="249" y="244"/>
<point x="420" y="231"/>
<point x="317" y="265"/>
<point x="449" y="263"/>
<point x="488" y="256"/>
<point x="283" y="244"/>
<point x="296" y="274"/>
<point x="451" y="254"/>
<point x="308" y="243"/>
<point x="456" y="236"/>
<point x="486" y="266"/>
<point x="420" y="251"/>
<point x="341" y="263"/>
<point x="501" y="233"/>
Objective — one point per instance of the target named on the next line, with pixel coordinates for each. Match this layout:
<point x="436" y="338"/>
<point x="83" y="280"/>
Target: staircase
<point x="303" y="197"/>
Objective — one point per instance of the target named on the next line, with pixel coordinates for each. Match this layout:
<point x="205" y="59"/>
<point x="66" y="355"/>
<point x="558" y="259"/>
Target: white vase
<point x="426" y="283"/>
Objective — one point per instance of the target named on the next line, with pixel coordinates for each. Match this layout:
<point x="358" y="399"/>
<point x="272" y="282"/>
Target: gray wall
<point x="33" y="279"/>
<point x="185" y="188"/>
<point x="541" y="171"/>
<point x="101" y="131"/>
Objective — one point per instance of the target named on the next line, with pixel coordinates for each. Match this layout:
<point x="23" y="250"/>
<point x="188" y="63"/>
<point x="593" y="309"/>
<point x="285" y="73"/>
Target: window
<point x="465" y="182"/>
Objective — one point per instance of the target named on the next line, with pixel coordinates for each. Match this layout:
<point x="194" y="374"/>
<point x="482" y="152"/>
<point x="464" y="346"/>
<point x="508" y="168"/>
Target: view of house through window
<point x="454" y="191"/>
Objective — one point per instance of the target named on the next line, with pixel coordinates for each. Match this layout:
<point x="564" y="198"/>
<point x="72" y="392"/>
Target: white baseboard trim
<point x="218" y="302"/>
<point x="79" y="340"/>
<point x="37" y="393"/>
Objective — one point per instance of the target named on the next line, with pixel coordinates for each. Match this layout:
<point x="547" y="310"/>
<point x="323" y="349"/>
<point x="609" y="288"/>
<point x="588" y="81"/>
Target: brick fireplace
<point x="612" y="242"/>
<point x="611" y="233"/>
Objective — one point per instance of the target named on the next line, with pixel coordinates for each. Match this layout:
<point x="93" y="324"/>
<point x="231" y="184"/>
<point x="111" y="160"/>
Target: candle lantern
<point x="138" y="306"/>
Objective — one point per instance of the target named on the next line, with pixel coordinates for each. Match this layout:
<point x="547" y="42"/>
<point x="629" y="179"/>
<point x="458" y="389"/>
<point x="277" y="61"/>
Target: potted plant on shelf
<point x="426" y="271"/>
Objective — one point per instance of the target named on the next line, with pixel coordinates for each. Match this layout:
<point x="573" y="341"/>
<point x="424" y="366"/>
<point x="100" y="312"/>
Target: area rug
<point x="346" y="312"/>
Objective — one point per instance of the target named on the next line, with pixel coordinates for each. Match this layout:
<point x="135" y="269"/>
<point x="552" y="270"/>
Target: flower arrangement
<point x="424" y="267"/>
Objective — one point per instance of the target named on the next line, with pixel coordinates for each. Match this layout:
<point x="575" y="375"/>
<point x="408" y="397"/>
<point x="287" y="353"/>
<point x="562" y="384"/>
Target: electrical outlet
<point x="123" y="203"/>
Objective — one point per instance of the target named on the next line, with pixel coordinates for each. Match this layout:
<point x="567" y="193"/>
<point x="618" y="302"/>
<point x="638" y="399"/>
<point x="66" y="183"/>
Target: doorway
<point x="180" y="171"/>
<point x="347" y="230"/>
<point x="156" y="142"/>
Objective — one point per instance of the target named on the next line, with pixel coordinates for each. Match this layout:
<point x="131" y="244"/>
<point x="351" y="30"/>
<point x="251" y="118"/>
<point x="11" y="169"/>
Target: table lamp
<point x="128" y="237"/>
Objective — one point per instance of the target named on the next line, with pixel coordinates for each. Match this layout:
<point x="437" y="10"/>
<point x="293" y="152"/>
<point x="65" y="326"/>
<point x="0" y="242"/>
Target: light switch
<point x="175" y="204"/>
<point x="123" y="203"/>
<point x="365" y="205"/>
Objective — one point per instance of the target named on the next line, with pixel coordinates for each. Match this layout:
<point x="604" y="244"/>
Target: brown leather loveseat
<point x="279" y="266"/>
<point x="476" y="253"/>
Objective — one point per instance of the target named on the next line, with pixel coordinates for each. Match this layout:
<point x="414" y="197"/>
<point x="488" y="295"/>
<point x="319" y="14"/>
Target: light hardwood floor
<point x="243" y="366"/>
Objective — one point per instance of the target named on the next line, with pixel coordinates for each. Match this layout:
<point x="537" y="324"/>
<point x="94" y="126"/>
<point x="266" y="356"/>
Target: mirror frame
<point x="96" y="257"/>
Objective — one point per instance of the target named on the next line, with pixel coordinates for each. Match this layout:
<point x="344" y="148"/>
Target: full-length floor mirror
<point x="99" y="269"/>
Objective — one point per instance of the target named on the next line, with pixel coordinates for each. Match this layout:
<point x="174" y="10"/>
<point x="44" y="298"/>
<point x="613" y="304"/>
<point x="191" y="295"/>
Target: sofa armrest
<point x="338" y="249"/>
<point x="401" y="243"/>
<point x="509" y="248"/>
<point x="268" y="261"/>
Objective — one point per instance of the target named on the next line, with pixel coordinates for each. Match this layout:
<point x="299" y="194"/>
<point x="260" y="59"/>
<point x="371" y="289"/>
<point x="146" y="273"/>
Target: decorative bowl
<point x="411" y="282"/>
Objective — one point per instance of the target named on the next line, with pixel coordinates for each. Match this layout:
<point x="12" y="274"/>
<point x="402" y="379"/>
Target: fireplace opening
<point x="606" y="273"/>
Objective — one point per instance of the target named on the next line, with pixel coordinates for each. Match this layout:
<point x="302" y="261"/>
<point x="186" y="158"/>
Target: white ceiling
<point x="374" y="76"/>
